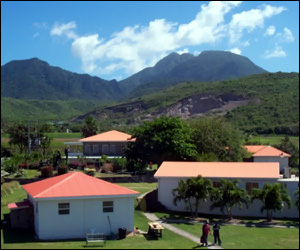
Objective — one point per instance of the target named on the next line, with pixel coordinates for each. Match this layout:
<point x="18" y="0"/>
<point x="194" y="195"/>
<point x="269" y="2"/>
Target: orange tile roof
<point x="219" y="169"/>
<point x="264" y="150"/>
<point x="75" y="184"/>
<point x="113" y="135"/>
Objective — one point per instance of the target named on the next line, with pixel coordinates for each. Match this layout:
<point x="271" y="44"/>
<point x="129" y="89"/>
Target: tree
<point x="164" y="139"/>
<point x="216" y="137"/>
<point x="287" y="146"/>
<point x="196" y="189"/>
<point x="228" y="195"/>
<point x="90" y="127"/>
<point x="297" y="198"/>
<point x="18" y="135"/>
<point x="272" y="197"/>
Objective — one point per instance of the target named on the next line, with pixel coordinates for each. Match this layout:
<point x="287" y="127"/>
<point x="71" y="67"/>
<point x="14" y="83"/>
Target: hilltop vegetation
<point x="272" y="103"/>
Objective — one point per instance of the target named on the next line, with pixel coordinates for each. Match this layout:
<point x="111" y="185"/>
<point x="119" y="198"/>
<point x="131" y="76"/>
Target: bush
<point x="21" y="173"/>
<point x="90" y="171"/>
<point x="62" y="170"/>
<point x="10" y="167"/>
<point x="107" y="167"/>
<point x="46" y="172"/>
<point x="119" y="164"/>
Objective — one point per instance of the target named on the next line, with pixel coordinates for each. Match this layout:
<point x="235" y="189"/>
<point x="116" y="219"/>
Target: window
<point x="250" y="186"/>
<point x="88" y="149"/>
<point x="95" y="149"/>
<point x="112" y="149"/>
<point x="63" y="208"/>
<point x="105" y="149"/>
<point x="108" y="206"/>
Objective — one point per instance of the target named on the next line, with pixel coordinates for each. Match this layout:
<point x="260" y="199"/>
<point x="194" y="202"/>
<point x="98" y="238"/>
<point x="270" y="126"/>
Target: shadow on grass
<point x="150" y="237"/>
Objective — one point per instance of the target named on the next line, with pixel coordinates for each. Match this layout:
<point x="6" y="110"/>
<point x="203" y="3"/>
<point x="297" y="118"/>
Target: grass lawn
<point x="241" y="237"/>
<point x="274" y="139"/>
<point x="22" y="239"/>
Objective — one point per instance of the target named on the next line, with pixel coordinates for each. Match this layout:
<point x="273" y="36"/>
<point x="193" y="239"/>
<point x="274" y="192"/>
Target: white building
<point x="70" y="205"/>
<point x="251" y="174"/>
<point x="263" y="153"/>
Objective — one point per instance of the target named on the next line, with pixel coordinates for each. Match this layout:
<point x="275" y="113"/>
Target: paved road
<point x="176" y="230"/>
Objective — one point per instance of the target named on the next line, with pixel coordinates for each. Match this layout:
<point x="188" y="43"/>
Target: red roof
<point x="264" y="150"/>
<point x="113" y="135"/>
<point x="75" y="184"/>
<point x="18" y="205"/>
<point x="219" y="169"/>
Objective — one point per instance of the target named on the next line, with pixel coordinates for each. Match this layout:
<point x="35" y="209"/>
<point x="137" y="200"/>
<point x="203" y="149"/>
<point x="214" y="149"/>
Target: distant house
<point x="70" y="205"/>
<point x="251" y="175"/>
<point x="109" y="143"/>
<point x="264" y="153"/>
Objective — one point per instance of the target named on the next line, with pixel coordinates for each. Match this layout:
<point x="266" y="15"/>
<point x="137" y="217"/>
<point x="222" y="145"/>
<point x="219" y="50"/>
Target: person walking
<point x="216" y="230"/>
<point x="205" y="232"/>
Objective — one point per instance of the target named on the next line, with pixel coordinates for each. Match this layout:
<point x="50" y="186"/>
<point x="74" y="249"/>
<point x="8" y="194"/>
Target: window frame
<point x="108" y="207"/>
<point x="63" y="210"/>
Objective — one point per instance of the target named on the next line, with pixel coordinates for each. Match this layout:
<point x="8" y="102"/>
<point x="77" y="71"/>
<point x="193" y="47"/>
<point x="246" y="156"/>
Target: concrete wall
<point x="84" y="215"/>
<point x="166" y="185"/>
<point x="283" y="162"/>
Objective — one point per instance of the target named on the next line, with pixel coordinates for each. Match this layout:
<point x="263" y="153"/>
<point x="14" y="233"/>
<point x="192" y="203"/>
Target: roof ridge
<point x="57" y="184"/>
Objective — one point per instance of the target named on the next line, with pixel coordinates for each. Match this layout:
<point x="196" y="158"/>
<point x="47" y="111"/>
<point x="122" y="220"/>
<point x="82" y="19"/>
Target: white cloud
<point x="236" y="51"/>
<point x="64" y="29"/>
<point x="270" y="31"/>
<point x="276" y="53"/>
<point x="247" y="21"/>
<point x="285" y="37"/>
<point x="136" y="47"/>
<point x="180" y="52"/>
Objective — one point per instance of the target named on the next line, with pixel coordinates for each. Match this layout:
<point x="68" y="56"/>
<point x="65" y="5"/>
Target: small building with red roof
<point x="109" y="143"/>
<point x="265" y="153"/>
<point x="73" y="204"/>
<point x="251" y="175"/>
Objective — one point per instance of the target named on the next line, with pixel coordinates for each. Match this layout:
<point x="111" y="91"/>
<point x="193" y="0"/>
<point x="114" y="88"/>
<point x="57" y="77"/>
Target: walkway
<point x="176" y="230"/>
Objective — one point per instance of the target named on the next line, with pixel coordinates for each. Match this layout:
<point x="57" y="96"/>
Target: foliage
<point x="272" y="197"/>
<point x="62" y="170"/>
<point x="164" y="139"/>
<point x="11" y="165"/>
<point x="5" y="152"/>
<point x="90" y="171"/>
<point x="90" y="127"/>
<point x="20" y="173"/>
<point x="197" y="188"/>
<point x="18" y="135"/>
<point x="228" y="195"/>
<point x="288" y="147"/>
<point x="297" y="198"/>
<point x="46" y="172"/>
<point x="214" y="137"/>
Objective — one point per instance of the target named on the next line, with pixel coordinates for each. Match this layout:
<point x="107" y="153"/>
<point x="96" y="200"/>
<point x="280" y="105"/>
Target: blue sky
<point x="114" y="40"/>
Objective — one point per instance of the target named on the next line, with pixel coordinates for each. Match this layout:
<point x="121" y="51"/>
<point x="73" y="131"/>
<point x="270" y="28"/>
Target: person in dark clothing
<point x="216" y="229"/>
<point x="66" y="153"/>
<point x="58" y="157"/>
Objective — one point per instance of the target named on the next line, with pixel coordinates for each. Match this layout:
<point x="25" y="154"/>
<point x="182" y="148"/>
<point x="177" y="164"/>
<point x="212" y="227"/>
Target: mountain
<point x="173" y="69"/>
<point x="36" y="79"/>
<point x="263" y="103"/>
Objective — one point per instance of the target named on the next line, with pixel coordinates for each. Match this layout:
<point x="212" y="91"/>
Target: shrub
<point x="21" y="173"/>
<point x="11" y="167"/>
<point x="107" y="167"/>
<point x="119" y="163"/>
<point x="90" y="171"/>
<point x="62" y="170"/>
<point x="46" y="172"/>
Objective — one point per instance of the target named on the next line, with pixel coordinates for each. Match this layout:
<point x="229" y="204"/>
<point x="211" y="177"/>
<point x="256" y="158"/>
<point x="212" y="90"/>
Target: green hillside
<point x="273" y="102"/>
<point x="23" y="110"/>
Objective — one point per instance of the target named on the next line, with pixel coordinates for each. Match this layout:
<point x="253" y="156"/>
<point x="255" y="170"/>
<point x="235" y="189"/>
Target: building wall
<point x="85" y="214"/>
<point x="101" y="147"/>
<point x="283" y="162"/>
<point x="165" y="196"/>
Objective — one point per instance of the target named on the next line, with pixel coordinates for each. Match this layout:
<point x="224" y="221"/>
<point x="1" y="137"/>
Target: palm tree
<point x="273" y="198"/>
<point x="297" y="199"/>
<point x="228" y="195"/>
<point x="183" y="193"/>
<point x="201" y="190"/>
<point x="197" y="188"/>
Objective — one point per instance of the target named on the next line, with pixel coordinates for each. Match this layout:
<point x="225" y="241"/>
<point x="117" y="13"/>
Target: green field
<point x="273" y="139"/>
